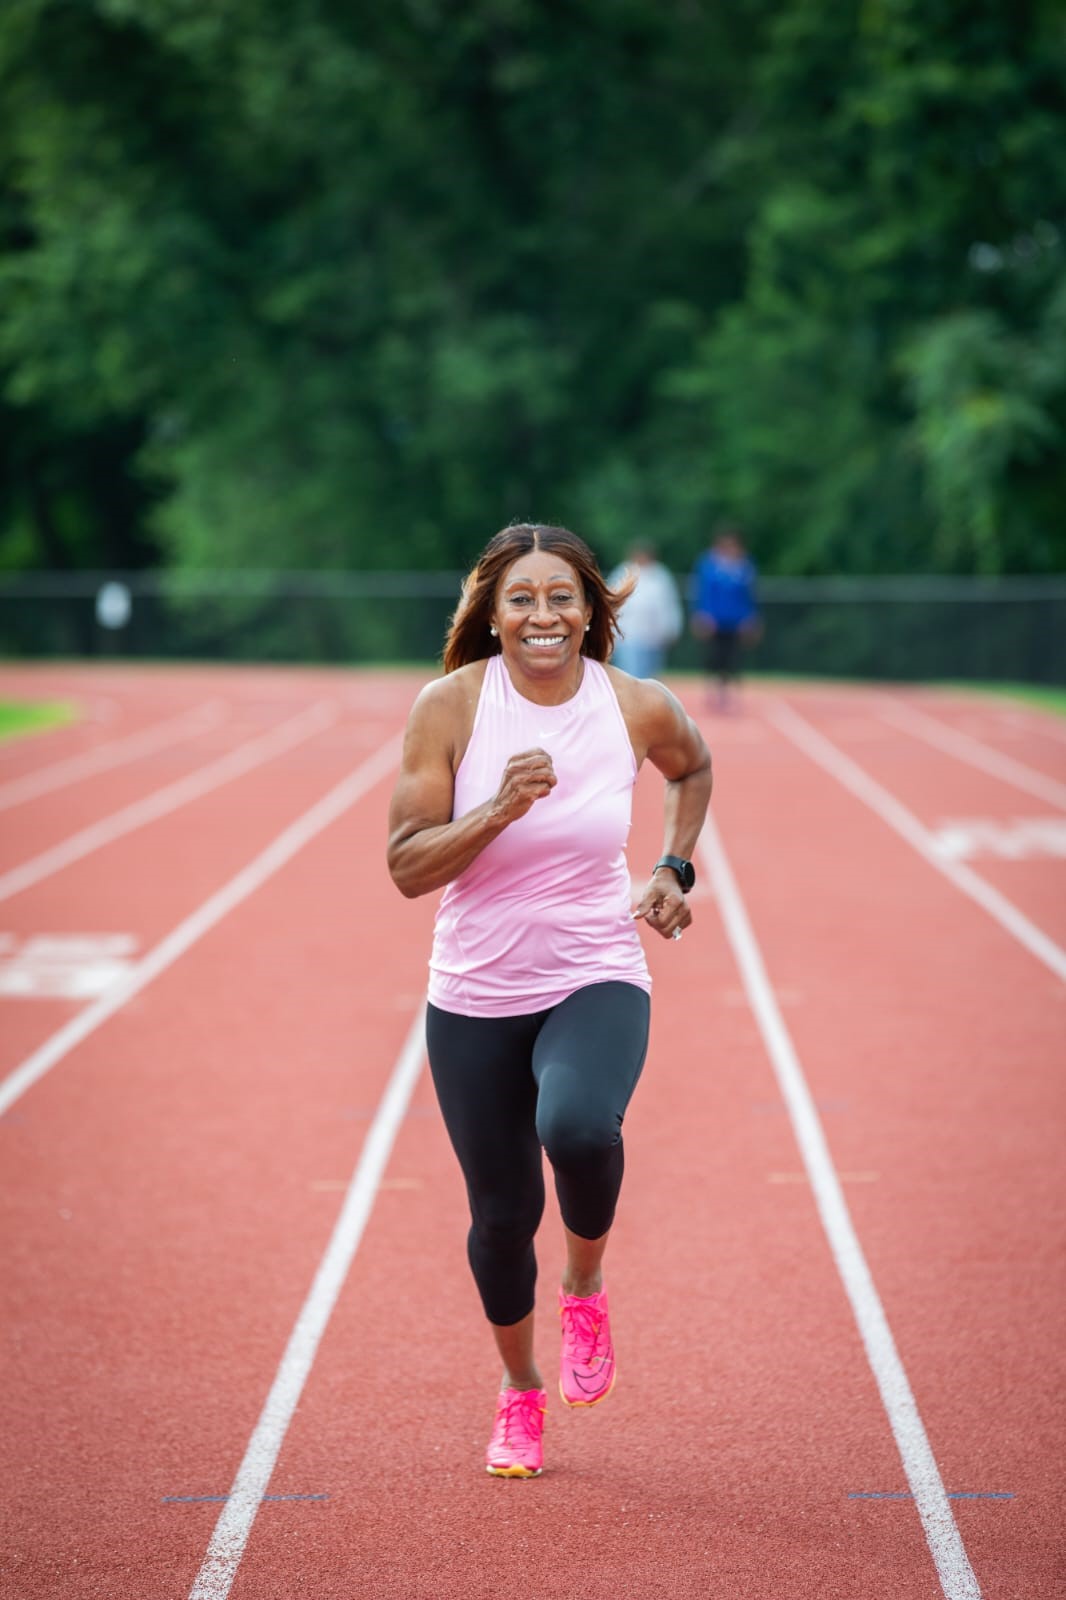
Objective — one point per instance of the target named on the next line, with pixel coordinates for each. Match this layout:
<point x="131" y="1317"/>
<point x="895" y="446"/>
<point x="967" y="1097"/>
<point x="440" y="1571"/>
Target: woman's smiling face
<point x="541" y="614"/>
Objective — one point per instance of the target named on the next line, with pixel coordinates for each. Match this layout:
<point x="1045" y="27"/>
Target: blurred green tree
<point x="336" y="286"/>
<point x="889" y="391"/>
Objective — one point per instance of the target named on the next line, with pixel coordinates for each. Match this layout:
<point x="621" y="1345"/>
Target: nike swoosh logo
<point x="594" y="1381"/>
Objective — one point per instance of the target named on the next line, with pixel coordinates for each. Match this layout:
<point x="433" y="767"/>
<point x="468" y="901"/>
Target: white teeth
<point x="540" y="643"/>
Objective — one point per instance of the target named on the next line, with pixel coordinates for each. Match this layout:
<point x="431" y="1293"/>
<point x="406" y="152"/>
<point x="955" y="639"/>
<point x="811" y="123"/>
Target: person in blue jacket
<point x="723" y="610"/>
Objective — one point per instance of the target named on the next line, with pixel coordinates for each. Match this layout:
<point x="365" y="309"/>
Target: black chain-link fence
<point x="899" y="628"/>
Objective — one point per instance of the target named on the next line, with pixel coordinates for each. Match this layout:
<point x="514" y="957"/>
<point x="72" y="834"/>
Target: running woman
<point x="514" y="796"/>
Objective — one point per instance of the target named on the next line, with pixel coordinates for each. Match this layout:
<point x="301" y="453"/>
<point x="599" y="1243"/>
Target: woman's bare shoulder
<point x="452" y="689"/>
<point x="445" y="708"/>
<point x="642" y="698"/>
<point x="652" y="713"/>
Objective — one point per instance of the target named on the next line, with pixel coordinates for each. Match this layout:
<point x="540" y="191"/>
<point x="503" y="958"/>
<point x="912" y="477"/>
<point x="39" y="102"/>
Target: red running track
<point x="172" y="1180"/>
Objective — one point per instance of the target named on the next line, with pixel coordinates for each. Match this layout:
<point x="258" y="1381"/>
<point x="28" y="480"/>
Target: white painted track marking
<point x="1017" y="839"/>
<point x="1052" y="725"/>
<point x="250" y="878"/>
<point x="957" y="1579"/>
<point x="966" y="748"/>
<point x="116" y="753"/>
<point x="906" y="824"/>
<point x="234" y="764"/>
<point x="230" y="1537"/>
<point x="65" y="966"/>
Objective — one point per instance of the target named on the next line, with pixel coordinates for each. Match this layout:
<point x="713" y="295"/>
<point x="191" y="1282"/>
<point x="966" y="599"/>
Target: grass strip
<point x="1044" y="696"/>
<point x="18" y="717"/>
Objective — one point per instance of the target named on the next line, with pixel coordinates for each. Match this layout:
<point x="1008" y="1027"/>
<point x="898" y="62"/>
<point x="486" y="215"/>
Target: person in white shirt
<point x="651" y="619"/>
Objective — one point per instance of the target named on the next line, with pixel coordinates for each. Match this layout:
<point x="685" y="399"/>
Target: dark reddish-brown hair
<point x="468" y="636"/>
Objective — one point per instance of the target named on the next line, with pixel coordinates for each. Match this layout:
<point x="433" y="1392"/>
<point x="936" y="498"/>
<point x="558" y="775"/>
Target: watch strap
<point x="682" y="869"/>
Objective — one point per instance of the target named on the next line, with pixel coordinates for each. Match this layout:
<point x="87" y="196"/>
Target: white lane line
<point x="234" y="764"/>
<point x="966" y="748"/>
<point x="923" y="1475"/>
<point x="216" y="1575"/>
<point x="116" y="753"/>
<point x="180" y="939"/>
<point x="906" y="824"/>
<point x="1050" y="723"/>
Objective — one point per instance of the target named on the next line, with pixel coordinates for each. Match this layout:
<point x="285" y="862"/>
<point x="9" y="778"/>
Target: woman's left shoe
<point x="587" y="1369"/>
<point x="516" y="1449"/>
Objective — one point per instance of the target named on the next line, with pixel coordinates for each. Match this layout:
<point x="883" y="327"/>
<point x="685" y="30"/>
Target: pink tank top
<point x="545" y="908"/>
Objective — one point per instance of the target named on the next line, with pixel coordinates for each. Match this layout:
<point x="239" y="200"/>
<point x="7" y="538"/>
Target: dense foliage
<point x="323" y="285"/>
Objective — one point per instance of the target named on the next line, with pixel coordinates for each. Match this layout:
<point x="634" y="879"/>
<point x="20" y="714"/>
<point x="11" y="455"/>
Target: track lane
<point x="1012" y="726"/>
<point x="952" y="1088"/>
<point x="917" y="1458"/>
<point x="108" y="707"/>
<point x="974" y="751"/>
<point x="158" y="803"/>
<point x="111" y="753"/>
<point x="195" y="1208"/>
<point x="969" y="736"/>
<point x="144" y="883"/>
<point x="257" y="705"/>
<point x="884" y="796"/>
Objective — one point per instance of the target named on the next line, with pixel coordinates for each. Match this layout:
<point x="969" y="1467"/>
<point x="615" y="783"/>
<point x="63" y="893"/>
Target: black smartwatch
<point x="686" y="872"/>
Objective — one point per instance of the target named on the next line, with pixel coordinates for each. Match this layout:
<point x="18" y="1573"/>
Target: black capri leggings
<point x="560" y="1078"/>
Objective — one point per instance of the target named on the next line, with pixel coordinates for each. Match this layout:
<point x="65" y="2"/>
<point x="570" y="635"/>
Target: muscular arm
<point x="664" y="733"/>
<point x="679" y="752"/>
<point x="426" y="848"/>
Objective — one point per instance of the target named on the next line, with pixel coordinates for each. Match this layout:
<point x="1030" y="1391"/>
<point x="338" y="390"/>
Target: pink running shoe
<point x="587" y="1370"/>
<point x="516" y="1449"/>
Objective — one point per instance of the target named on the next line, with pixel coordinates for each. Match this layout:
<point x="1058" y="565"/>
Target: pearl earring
<point x="588" y="625"/>
<point x="493" y="632"/>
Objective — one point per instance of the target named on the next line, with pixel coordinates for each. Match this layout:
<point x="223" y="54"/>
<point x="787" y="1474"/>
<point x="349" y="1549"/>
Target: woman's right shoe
<point x="516" y="1449"/>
